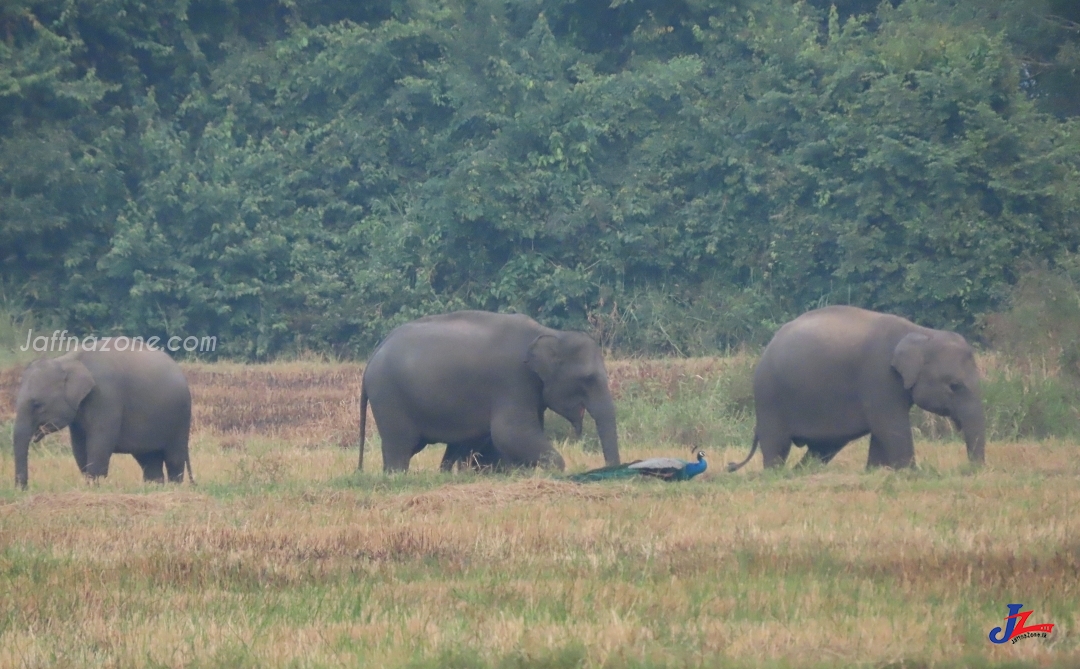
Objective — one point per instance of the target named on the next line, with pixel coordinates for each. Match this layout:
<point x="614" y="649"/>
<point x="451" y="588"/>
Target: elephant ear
<point x="908" y="357"/>
<point x="78" y="382"/>
<point x="544" y="356"/>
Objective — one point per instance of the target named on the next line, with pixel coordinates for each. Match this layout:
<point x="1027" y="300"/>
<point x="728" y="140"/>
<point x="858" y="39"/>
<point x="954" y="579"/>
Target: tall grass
<point x="13" y="328"/>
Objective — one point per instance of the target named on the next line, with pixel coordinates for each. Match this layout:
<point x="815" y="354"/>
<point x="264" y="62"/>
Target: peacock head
<point x="700" y="456"/>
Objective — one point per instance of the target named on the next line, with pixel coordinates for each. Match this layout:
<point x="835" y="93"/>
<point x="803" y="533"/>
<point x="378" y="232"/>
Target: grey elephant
<point x="836" y="374"/>
<point x="467" y="376"/>
<point x="134" y="402"/>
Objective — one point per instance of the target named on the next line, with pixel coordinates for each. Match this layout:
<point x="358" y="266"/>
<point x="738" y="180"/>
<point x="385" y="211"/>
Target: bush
<point x="1034" y="405"/>
<point x="1040" y="329"/>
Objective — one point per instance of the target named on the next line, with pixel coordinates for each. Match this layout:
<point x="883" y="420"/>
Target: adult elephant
<point x="839" y="373"/>
<point x="134" y="402"/>
<point x="467" y="376"/>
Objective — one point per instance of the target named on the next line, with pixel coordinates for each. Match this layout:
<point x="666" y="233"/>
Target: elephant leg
<point x="774" y="450"/>
<point x="821" y="452"/>
<point x="895" y="450"/>
<point x="477" y="454"/>
<point x="517" y="437"/>
<point x="151" y="464"/>
<point x="457" y="453"/>
<point x="398" y="447"/>
<point x="101" y="425"/>
<point x="483" y="456"/>
<point x="78" y="446"/>
<point x="174" y="465"/>
<point x="99" y="448"/>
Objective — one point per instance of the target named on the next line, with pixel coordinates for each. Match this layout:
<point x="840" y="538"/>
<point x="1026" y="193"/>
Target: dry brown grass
<point x="282" y="556"/>
<point x="316" y="403"/>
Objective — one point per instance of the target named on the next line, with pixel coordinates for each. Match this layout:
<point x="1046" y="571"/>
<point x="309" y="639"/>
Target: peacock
<point x="669" y="469"/>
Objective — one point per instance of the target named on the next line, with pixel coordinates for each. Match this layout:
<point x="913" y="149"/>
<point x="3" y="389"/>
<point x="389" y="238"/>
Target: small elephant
<point x="836" y="374"/>
<point x="469" y="376"/>
<point x="134" y="402"/>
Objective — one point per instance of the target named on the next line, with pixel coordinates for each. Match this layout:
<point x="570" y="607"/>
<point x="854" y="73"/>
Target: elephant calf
<point x="836" y="374"/>
<point x="480" y="382"/>
<point x="134" y="402"/>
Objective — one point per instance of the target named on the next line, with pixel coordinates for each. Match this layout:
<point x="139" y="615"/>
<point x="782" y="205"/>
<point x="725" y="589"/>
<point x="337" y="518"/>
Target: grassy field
<point x="283" y="555"/>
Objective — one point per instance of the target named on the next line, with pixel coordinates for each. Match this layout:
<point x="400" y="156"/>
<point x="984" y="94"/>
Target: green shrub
<point x="1030" y="406"/>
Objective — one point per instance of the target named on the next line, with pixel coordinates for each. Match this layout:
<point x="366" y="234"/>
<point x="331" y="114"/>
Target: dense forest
<point x="676" y="176"/>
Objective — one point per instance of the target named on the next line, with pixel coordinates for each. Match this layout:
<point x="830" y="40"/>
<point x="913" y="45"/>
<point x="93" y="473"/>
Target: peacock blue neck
<point x="695" y="468"/>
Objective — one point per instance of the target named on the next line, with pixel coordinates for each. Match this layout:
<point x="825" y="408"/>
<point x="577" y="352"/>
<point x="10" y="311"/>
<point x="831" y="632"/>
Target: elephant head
<point x="49" y="396"/>
<point x="571" y="368"/>
<point x="939" y="370"/>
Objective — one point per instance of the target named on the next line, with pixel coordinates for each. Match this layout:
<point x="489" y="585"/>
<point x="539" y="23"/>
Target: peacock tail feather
<point x="668" y="469"/>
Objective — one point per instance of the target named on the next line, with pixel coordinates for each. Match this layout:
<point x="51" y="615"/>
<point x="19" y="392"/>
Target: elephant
<point x="469" y="378"/>
<point x="134" y="401"/>
<point x="838" y="373"/>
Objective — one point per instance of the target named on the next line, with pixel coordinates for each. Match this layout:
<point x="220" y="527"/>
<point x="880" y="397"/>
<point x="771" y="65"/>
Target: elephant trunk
<point x="602" y="409"/>
<point x="973" y="426"/>
<point x="21" y="435"/>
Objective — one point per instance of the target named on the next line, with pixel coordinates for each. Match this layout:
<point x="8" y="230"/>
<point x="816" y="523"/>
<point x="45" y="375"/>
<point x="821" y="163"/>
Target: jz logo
<point x="1016" y="627"/>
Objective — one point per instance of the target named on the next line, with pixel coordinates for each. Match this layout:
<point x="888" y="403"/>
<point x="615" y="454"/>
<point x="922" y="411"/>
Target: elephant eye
<point x="956" y="386"/>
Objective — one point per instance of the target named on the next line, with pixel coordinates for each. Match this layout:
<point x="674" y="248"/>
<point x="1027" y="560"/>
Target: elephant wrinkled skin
<point x="836" y="374"/>
<point x="480" y="382"/>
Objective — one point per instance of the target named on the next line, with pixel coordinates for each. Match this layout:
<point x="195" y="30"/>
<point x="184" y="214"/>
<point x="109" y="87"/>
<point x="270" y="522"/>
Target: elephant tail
<point x="363" y="423"/>
<point x="190" y="476"/>
<point x="736" y="466"/>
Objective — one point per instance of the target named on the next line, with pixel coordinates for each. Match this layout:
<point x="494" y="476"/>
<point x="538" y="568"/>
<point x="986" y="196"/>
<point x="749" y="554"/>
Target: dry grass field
<point x="282" y="555"/>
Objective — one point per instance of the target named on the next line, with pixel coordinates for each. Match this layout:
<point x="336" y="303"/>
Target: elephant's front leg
<point x="102" y="437"/>
<point x="454" y="454"/>
<point x="895" y="450"/>
<point x="98" y="453"/>
<point x="518" y="436"/>
<point x="78" y="446"/>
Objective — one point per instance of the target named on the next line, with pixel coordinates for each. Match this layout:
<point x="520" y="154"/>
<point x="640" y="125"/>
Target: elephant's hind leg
<point x="899" y="454"/>
<point x="151" y="464"/>
<point x="774" y="449"/>
<point x="400" y="437"/>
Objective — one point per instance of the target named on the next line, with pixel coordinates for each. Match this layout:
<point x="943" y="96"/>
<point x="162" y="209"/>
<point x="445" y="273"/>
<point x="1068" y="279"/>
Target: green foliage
<point x="1040" y="327"/>
<point x="1031" y="406"/>
<point x="1035" y="390"/>
<point x="678" y="177"/>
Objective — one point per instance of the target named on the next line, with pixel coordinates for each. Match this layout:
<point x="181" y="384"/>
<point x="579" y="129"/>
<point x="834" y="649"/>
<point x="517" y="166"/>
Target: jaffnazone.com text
<point x="61" y="341"/>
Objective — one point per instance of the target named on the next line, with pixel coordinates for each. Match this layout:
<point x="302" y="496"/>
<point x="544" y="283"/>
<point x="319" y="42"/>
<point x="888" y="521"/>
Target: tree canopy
<point x="677" y="176"/>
